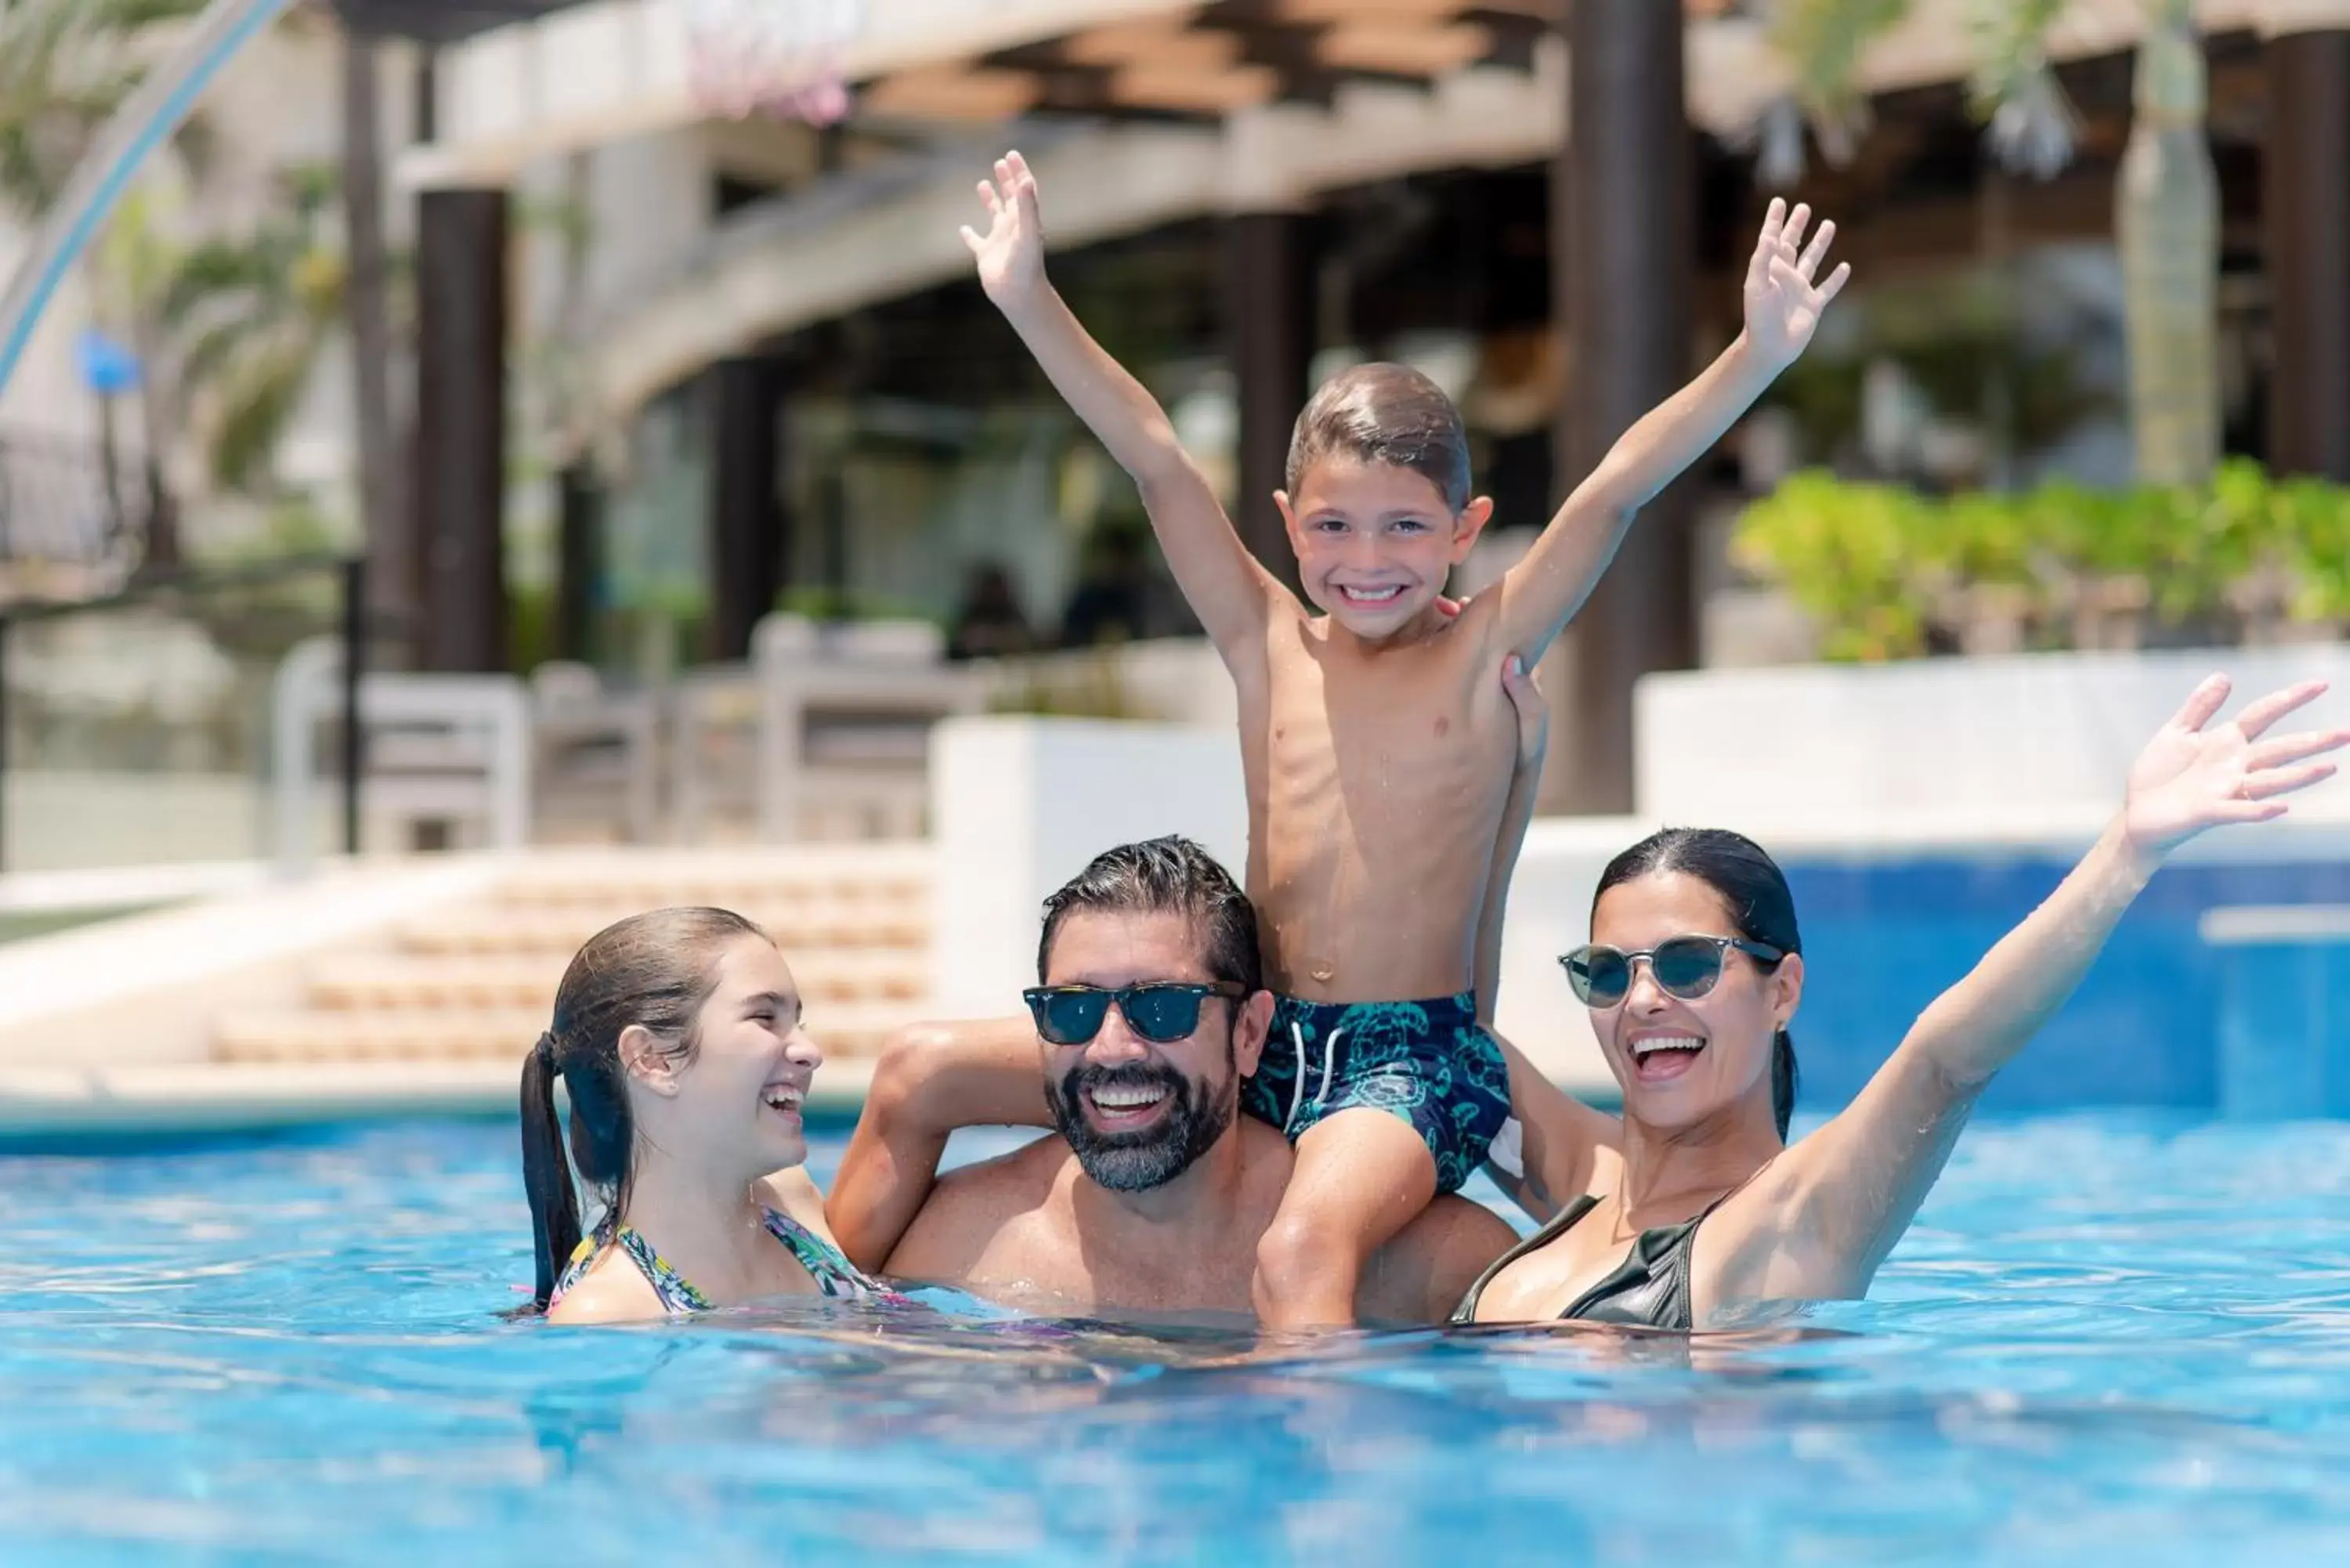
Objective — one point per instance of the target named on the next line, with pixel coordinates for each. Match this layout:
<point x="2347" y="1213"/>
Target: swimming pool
<point x="2109" y="1339"/>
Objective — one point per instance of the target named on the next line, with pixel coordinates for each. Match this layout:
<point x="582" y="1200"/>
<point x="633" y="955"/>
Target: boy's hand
<point x="1010" y="254"/>
<point x="1784" y="305"/>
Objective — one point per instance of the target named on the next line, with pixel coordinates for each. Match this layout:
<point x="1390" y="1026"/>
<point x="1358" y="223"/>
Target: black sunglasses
<point x="1161" y="1011"/>
<point x="1686" y="967"/>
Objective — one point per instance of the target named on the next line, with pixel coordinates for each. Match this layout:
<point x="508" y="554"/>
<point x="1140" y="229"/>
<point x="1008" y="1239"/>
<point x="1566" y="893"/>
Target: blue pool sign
<point x="108" y="368"/>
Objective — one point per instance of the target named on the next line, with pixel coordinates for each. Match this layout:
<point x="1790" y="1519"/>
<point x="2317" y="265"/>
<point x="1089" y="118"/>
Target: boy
<point x="1376" y="747"/>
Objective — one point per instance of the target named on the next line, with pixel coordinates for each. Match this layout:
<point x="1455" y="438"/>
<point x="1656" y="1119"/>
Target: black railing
<point x="70" y="504"/>
<point x="242" y="621"/>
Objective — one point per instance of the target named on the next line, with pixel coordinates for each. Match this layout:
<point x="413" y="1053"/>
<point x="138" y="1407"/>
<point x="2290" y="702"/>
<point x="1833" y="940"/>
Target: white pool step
<point x="476" y="982"/>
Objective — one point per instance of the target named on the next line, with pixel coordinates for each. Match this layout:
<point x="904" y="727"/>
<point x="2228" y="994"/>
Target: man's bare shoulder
<point x="1421" y="1275"/>
<point x="1454" y="1223"/>
<point x="969" y="1205"/>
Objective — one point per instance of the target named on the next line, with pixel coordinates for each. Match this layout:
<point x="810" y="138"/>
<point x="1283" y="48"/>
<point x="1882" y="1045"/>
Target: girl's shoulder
<point x="794" y="1194"/>
<point x="610" y="1289"/>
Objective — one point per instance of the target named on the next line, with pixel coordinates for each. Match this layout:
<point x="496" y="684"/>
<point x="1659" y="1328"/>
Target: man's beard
<point x="1197" y="1114"/>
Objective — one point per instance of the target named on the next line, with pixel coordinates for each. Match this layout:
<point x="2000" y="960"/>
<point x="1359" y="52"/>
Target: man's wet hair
<point x="1170" y="876"/>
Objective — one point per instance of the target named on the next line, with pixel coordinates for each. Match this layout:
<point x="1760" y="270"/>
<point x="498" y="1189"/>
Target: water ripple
<point x="2108" y="1339"/>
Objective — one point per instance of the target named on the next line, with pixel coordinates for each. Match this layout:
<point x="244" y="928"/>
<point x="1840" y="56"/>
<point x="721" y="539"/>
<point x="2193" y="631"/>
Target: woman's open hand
<point x="2194" y="775"/>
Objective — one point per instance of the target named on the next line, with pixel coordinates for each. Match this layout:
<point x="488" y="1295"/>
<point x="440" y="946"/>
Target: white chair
<point x="439" y="748"/>
<point x="603" y="744"/>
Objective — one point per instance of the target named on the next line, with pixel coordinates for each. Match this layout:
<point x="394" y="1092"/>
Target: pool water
<point x="2108" y="1339"/>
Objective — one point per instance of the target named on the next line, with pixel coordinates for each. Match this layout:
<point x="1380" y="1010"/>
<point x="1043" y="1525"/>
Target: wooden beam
<point x="948" y="92"/>
<point x="1401" y="50"/>
<point x="1181" y="87"/>
<point x="1622" y="228"/>
<point x="1515" y="35"/>
<point x="1153" y="45"/>
<point x="1330" y="13"/>
<point x="2308" y="245"/>
<point x="1294" y="49"/>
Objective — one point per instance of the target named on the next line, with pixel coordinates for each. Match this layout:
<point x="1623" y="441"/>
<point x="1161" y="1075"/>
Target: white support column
<point x="1019" y="805"/>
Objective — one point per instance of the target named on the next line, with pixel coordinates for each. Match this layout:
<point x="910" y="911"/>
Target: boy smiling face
<point x="1375" y="541"/>
<point x="1377" y="509"/>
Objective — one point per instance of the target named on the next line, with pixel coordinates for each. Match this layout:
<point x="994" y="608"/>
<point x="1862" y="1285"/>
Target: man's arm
<point x="967" y="1235"/>
<point x="1421" y="1275"/>
<point x="1541" y="593"/>
<point x="1230" y="593"/>
<point x="932" y="1079"/>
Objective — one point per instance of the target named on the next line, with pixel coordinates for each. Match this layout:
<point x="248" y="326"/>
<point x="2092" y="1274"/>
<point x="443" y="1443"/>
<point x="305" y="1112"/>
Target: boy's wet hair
<point x="1385" y="413"/>
<point x="1170" y="876"/>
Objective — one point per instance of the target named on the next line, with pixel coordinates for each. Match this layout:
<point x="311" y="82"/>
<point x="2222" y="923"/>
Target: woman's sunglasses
<point x="1686" y="967"/>
<point x="1159" y="1011"/>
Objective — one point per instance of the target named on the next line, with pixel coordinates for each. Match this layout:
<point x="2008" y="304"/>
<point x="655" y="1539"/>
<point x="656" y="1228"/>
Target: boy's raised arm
<point x="1784" y="305"/>
<point x="1228" y="590"/>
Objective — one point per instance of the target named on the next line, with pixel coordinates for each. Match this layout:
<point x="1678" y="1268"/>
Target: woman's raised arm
<point x="1823" y="1216"/>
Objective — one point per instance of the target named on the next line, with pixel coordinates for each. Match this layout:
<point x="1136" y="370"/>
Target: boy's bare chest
<point x="1401" y="737"/>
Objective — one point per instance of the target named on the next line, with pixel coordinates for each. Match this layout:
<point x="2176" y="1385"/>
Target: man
<point x="1154" y="1191"/>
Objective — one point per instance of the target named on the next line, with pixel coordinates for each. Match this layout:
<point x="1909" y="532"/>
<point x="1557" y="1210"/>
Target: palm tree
<point x="66" y="65"/>
<point x="2166" y="205"/>
<point x="227" y="330"/>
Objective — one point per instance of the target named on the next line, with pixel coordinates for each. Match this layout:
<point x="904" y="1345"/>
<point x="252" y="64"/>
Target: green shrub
<point x="1888" y="573"/>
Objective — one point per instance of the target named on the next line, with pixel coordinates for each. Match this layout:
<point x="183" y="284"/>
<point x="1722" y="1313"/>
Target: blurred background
<point x="503" y="425"/>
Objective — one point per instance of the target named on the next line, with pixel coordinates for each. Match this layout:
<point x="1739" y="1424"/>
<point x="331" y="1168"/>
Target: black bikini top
<point x="1650" y="1289"/>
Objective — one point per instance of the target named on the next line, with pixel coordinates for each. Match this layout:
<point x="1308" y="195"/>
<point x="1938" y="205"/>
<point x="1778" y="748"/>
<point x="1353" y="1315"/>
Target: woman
<point x="1693" y="1209"/>
<point x="677" y="1036"/>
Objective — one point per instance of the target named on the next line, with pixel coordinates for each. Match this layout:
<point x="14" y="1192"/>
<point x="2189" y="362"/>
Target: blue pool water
<point x="1882" y="938"/>
<point x="2116" y="1338"/>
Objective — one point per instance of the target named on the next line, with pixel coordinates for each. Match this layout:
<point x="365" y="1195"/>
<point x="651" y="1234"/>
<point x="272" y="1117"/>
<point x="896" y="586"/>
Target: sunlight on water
<point x="2108" y="1339"/>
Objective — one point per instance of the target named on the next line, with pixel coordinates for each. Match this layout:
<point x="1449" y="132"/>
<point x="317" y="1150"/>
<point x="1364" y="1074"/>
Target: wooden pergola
<point x="439" y="22"/>
<point x="1212" y="59"/>
<point x="1624" y="189"/>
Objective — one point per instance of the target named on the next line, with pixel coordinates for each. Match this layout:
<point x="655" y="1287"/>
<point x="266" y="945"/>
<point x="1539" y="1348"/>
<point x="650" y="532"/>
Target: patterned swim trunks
<point x="1429" y="1062"/>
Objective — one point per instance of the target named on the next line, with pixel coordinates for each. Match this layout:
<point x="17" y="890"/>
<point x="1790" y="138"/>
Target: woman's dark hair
<point x="656" y="969"/>
<point x="1385" y="413"/>
<point x="1752" y="888"/>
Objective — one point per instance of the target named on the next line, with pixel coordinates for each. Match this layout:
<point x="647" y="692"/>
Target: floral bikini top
<point x="834" y="1274"/>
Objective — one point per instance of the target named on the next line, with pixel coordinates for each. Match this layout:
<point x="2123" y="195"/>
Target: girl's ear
<point x="646" y="1063"/>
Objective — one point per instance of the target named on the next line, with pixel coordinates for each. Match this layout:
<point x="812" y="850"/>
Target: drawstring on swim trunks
<point x="1297" y="1089"/>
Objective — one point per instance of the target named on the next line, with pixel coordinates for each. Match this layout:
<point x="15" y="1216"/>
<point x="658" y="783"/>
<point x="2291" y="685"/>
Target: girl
<point x="677" y="1036"/>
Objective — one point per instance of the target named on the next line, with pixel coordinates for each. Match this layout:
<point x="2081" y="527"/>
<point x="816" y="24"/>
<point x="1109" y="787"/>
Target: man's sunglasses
<point x="1161" y="1011"/>
<point x="1686" y="967"/>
